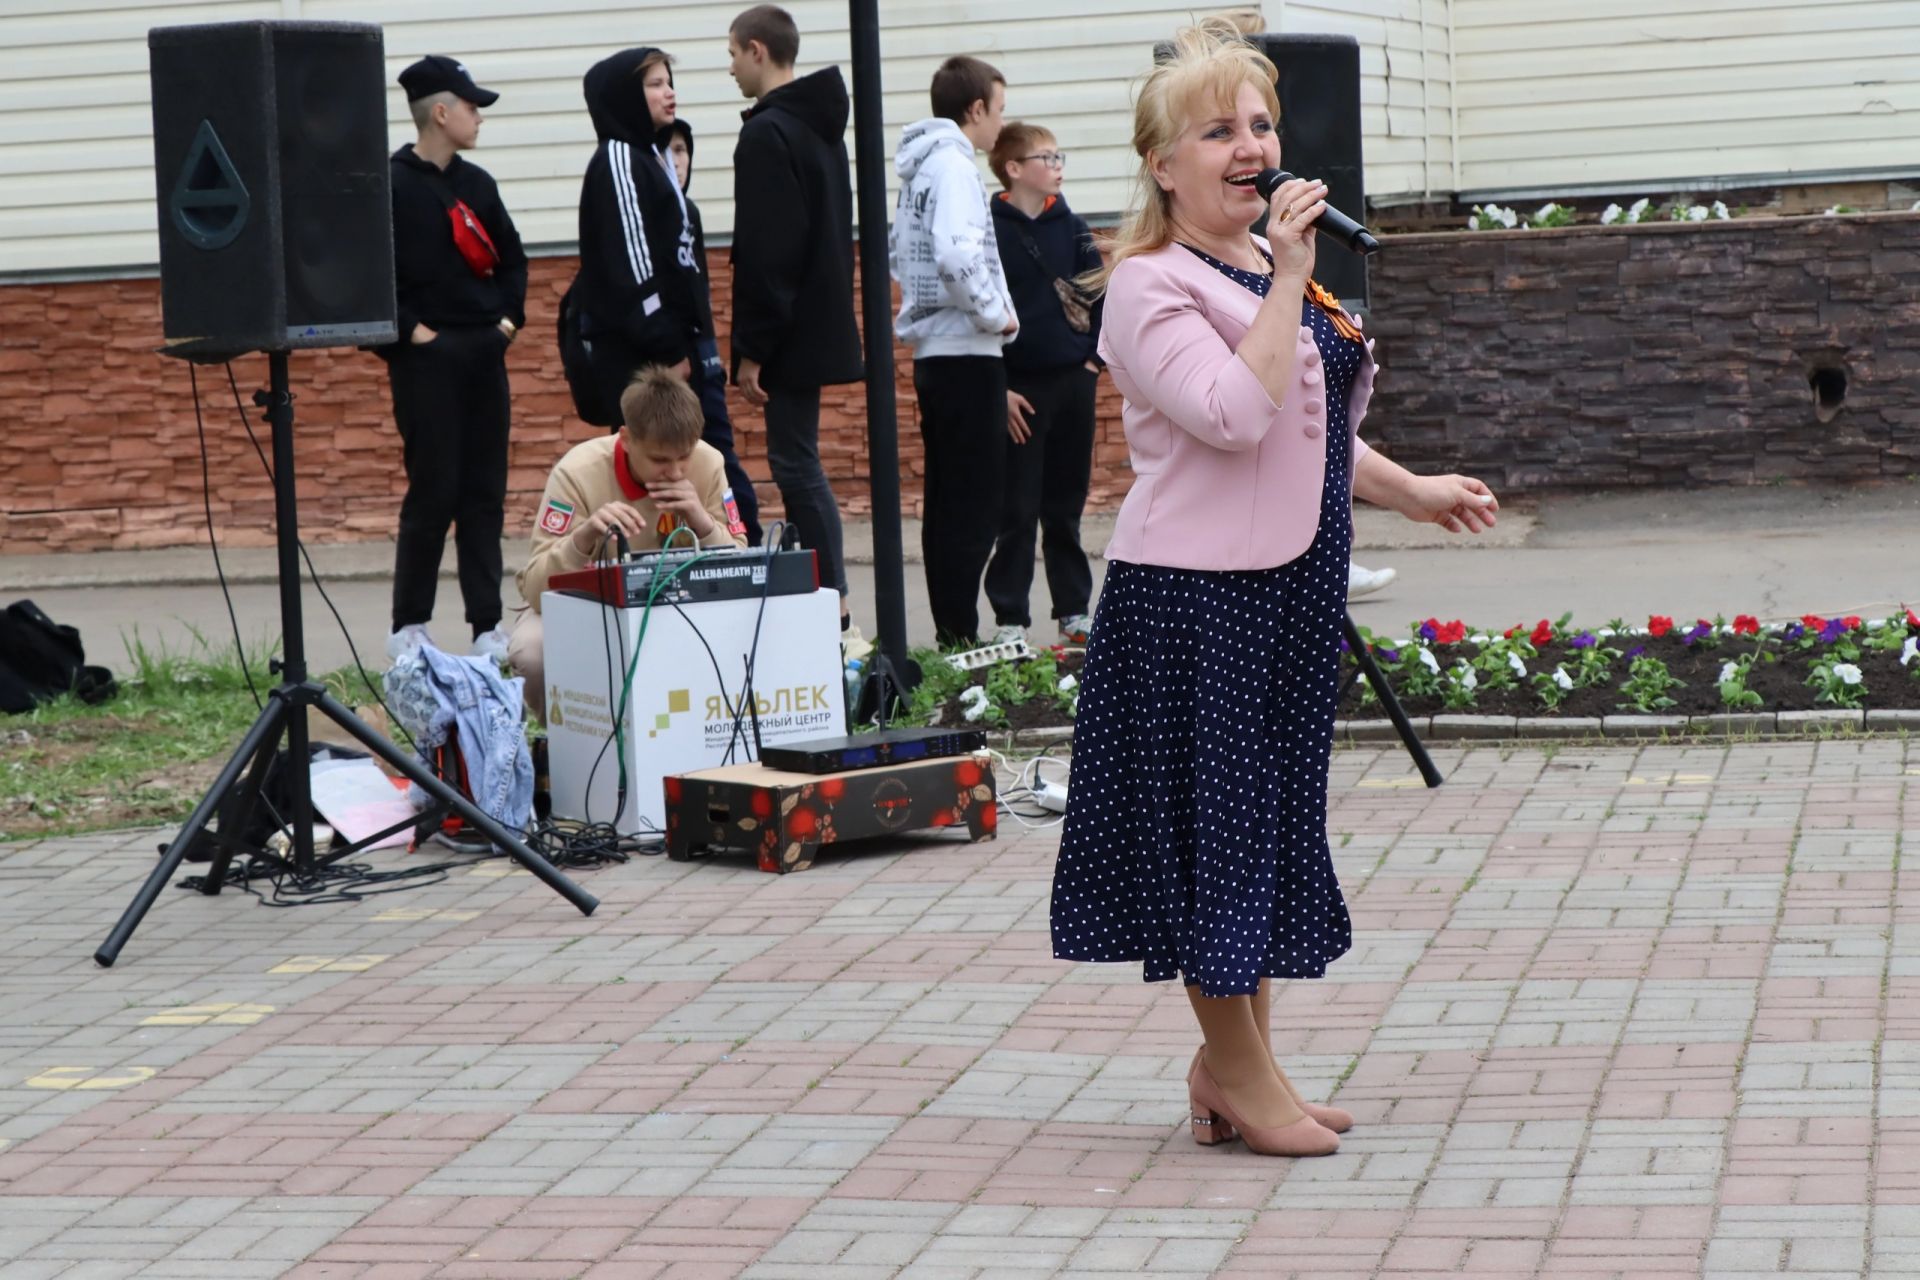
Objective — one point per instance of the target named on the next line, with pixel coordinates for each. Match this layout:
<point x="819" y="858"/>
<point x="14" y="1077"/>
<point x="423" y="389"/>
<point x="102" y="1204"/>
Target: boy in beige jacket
<point x="654" y="479"/>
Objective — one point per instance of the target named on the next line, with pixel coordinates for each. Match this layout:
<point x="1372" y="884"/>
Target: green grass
<point x="144" y="757"/>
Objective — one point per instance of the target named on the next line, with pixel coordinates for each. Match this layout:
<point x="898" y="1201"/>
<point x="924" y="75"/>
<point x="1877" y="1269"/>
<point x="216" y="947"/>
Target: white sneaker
<point x="492" y="645"/>
<point x="1009" y="634"/>
<point x="1075" y="628"/>
<point x="406" y="640"/>
<point x="1362" y="581"/>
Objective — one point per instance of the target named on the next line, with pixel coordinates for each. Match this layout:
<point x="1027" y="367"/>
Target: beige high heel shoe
<point x="1214" y="1122"/>
<point x="1335" y="1118"/>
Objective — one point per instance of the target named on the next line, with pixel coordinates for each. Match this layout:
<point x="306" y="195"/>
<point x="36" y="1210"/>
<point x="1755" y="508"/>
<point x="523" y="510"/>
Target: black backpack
<point x="576" y="359"/>
<point x="40" y="660"/>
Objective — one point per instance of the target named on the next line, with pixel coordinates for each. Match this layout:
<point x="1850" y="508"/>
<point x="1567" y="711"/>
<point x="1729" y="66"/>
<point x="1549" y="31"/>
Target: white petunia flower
<point x="1430" y="662"/>
<point x="1611" y="214"/>
<point x="1508" y="218"/>
<point x="1728" y="672"/>
<point x="1697" y="213"/>
<point x="973" y="696"/>
<point x="1561" y="678"/>
<point x="1846" y="673"/>
<point x="1480" y="638"/>
<point x="1719" y="208"/>
<point x="1910" y="650"/>
<point x="1066" y="683"/>
<point x="1464" y="677"/>
<point x="1519" y="667"/>
<point x="1638" y="209"/>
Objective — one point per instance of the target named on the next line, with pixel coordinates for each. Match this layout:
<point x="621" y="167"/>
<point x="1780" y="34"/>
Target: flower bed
<point x="1552" y="669"/>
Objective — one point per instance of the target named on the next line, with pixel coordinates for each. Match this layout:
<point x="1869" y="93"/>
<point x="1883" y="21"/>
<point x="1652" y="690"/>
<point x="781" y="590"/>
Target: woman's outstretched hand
<point x="1458" y="504"/>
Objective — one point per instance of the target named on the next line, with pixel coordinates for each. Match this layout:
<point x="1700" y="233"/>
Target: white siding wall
<point x="1555" y="94"/>
<point x="1406" y="86"/>
<point x="1540" y="94"/>
<point x="76" y="176"/>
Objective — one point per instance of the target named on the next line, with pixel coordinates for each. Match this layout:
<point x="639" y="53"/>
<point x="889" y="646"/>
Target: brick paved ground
<point x="1610" y="1013"/>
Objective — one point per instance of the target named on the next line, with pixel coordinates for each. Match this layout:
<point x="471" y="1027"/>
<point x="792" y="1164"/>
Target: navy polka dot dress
<point x="1196" y="833"/>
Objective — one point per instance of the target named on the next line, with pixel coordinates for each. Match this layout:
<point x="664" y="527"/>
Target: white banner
<point x="680" y="713"/>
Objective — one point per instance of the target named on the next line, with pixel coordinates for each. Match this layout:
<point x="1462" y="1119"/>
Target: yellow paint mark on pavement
<point x="196" y="1015"/>
<point x="327" y="964"/>
<point x="82" y="1078"/>
<point x="498" y="871"/>
<point x="1390" y="782"/>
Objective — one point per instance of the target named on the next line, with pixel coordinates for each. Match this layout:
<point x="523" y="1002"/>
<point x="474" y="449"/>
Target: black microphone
<point x="1331" y="222"/>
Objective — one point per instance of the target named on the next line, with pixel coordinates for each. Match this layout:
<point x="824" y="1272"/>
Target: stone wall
<point x="1668" y="354"/>
<point x="1658" y="355"/>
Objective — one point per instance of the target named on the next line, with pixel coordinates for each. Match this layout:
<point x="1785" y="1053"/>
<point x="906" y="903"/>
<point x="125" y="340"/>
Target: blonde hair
<point x="658" y="408"/>
<point x="1205" y="64"/>
<point x="1248" y="22"/>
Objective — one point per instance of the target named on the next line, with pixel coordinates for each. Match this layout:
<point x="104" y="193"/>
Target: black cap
<point x="437" y="74"/>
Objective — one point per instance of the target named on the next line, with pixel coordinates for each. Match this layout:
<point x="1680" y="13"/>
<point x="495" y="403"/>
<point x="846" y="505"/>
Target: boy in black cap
<point x="460" y="278"/>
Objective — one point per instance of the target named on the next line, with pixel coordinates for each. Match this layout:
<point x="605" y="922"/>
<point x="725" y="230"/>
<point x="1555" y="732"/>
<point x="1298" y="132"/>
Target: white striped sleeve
<point x="620" y="161"/>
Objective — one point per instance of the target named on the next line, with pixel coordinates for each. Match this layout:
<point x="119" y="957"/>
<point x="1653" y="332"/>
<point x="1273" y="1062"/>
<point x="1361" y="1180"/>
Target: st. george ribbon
<point x="1331" y="222"/>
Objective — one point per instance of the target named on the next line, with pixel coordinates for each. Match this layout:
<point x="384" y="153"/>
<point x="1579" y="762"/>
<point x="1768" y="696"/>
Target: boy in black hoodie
<point x="793" y="319"/>
<point x="460" y="281"/>
<point x="1051" y="374"/>
<point x="709" y="377"/>
<point x="640" y="286"/>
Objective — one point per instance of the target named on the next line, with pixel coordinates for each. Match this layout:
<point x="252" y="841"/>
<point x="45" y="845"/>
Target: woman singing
<point x="1196" y="838"/>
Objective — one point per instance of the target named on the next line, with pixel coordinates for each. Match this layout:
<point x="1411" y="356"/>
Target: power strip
<point x="987" y="655"/>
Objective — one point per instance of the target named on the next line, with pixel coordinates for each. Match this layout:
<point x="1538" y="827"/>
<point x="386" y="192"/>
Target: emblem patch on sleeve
<point x="735" y="525"/>
<point x="556" y="517"/>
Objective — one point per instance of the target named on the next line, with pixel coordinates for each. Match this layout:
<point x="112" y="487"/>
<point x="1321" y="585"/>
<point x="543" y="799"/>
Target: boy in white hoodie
<point x="956" y="313"/>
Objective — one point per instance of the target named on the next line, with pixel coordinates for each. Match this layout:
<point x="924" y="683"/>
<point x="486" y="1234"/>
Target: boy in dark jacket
<point x="460" y="282"/>
<point x="793" y="319"/>
<point x="640" y="286"/>
<point x="1051" y="374"/>
<point x="709" y="377"/>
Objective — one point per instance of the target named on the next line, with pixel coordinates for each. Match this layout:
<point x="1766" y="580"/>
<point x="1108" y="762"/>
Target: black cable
<point x="775" y="534"/>
<point x="608" y="611"/>
<point x="378" y="696"/>
<point x="340" y="882"/>
<point x="726" y="699"/>
<point x="582" y="846"/>
<point x="206" y="501"/>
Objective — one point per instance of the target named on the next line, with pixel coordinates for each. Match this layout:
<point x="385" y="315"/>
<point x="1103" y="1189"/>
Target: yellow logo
<point x="678" y="701"/>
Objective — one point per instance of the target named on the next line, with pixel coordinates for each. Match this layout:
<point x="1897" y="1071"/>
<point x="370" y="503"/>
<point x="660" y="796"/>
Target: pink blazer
<point x="1224" y="477"/>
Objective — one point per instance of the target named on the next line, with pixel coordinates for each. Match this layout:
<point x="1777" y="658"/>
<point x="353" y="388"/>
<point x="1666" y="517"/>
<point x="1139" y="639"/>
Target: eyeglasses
<point x="1051" y="159"/>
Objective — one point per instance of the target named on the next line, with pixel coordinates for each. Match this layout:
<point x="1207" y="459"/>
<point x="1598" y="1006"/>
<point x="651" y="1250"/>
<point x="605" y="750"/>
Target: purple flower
<point x="1428" y="632"/>
<point x="1343" y="645"/>
<point x="1834" y="629"/>
<point x="1698" y="633"/>
<point x="1391" y="655"/>
<point x="1792" y="632"/>
<point x="1635" y="652"/>
<point x="1584" y="640"/>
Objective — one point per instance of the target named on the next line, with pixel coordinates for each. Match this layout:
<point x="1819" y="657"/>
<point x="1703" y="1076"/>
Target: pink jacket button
<point x="1311" y="377"/>
<point x="1313" y="430"/>
<point x="1313" y="407"/>
<point x="1306" y="333"/>
<point x="1312" y="358"/>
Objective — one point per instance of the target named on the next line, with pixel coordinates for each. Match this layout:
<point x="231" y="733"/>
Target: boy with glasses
<point x="1052" y="370"/>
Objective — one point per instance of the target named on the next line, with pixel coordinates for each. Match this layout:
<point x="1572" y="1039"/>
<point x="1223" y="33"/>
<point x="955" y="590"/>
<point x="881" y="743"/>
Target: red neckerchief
<point x="631" y="488"/>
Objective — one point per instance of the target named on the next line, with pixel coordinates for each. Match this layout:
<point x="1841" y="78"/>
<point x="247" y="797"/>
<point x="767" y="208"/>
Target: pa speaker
<point x="1319" y="90"/>
<point x="270" y="166"/>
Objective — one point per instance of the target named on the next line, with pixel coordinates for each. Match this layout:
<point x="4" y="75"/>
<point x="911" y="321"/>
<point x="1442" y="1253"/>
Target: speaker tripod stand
<point x="227" y="809"/>
<point x="1383" y="690"/>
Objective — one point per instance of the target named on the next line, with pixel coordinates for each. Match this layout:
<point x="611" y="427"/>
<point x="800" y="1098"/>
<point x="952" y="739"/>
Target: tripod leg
<point x="1384" y="691"/>
<point x="440" y="791"/>
<point x="265" y="732"/>
<point x="236" y="815"/>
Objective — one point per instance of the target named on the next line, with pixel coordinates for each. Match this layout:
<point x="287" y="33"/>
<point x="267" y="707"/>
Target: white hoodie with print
<point x="953" y="294"/>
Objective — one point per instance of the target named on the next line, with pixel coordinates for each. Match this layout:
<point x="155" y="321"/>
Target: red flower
<point x="1851" y="622"/>
<point x="1450" y="632"/>
<point x="1542" y="633"/>
<point x="1913" y="619"/>
<point x="1812" y="621"/>
<point x="1745" y="624"/>
<point x="1659" y="626"/>
<point x="1513" y="631"/>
